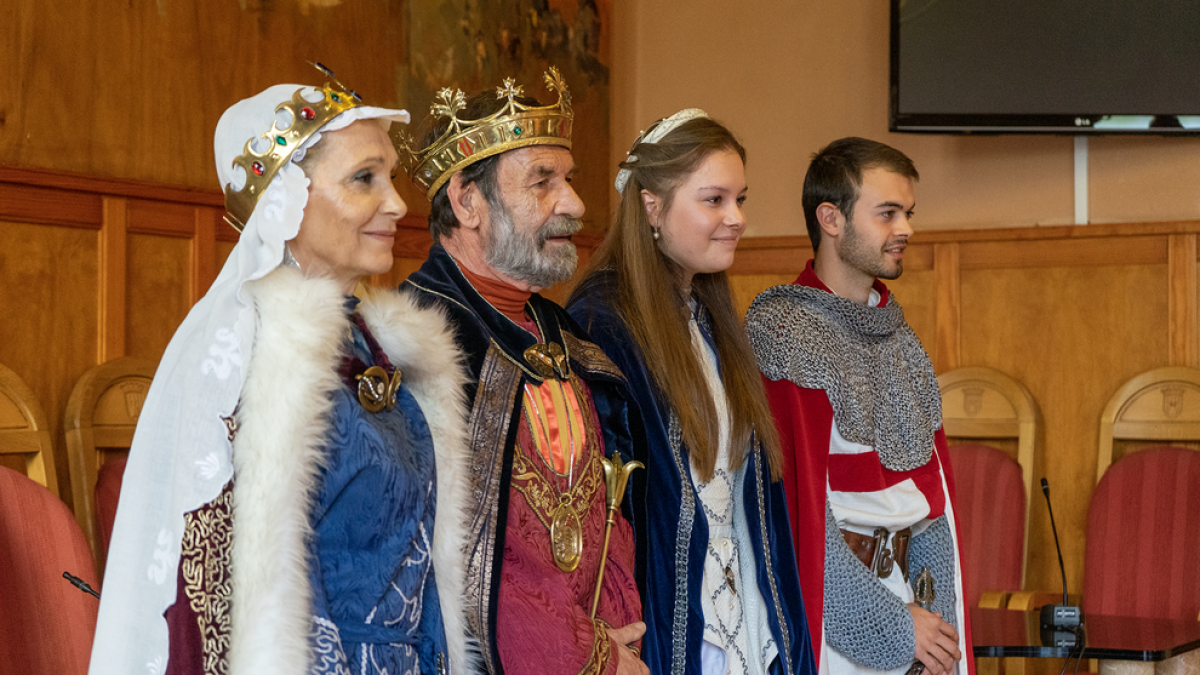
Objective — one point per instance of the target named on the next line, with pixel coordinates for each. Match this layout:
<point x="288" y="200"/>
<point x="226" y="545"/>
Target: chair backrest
<point x="1143" y="537"/>
<point x="993" y="537"/>
<point x="100" y="418"/>
<point x="992" y="424"/>
<point x="1161" y="406"/>
<point x="24" y="431"/>
<point x="47" y="624"/>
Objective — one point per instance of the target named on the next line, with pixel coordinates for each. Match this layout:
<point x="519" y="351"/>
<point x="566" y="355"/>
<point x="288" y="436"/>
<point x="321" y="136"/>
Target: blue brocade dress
<point x="375" y="600"/>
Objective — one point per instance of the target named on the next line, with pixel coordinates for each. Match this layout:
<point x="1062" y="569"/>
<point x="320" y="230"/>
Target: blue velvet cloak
<point x="670" y="555"/>
<point x="373" y="516"/>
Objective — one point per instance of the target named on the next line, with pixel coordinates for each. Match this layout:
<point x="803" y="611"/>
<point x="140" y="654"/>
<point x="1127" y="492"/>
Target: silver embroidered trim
<point x="683" y="540"/>
<point x="877" y="375"/>
<point x="785" y="648"/>
<point x="326" y="643"/>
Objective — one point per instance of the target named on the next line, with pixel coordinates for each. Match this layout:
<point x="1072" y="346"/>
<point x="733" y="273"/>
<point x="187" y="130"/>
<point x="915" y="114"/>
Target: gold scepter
<point x="616" y="476"/>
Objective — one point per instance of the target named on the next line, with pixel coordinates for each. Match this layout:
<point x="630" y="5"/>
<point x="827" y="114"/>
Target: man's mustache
<point x="561" y="226"/>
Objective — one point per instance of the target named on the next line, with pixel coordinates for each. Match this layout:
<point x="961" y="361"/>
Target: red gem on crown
<point x="257" y="167"/>
<point x="308" y="113"/>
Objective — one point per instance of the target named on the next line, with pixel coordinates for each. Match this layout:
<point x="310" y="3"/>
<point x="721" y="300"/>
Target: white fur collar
<point x="282" y="420"/>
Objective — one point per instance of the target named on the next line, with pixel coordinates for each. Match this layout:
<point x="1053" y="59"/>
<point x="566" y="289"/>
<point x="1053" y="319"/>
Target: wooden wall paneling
<point x="158" y="294"/>
<point x="1072" y="335"/>
<point x="404" y="267"/>
<point x="49" y="328"/>
<point x="948" y="343"/>
<point x="203" y="253"/>
<point x="110" y="302"/>
<point x="222" y="249"/>
<point x="1075" y="251"/>
<point x="163" y="275"/>
<point x="49" y="206"/>
<point x="412" y="238"/>
<point x="1182" y="294"/>
<point x="916" y="291"/>
<point x="772" y="255"/>
<point x="119" y="82"/>
<point x="746" y="287"/>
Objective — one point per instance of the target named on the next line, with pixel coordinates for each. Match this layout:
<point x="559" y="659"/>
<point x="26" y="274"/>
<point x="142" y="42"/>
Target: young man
<point x="545" y="404"/>
<point x="858" y="409"/>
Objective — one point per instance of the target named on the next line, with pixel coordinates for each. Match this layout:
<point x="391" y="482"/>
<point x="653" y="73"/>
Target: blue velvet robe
<point x="670" y="557"/>
<point x="373" y="518"/>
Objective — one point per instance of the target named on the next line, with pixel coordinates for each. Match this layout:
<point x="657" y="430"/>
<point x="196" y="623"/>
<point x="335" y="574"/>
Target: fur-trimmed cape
<point x="282" y="422"/>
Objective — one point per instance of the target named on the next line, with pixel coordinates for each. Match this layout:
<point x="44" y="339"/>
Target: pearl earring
<point x="654" y="233"/>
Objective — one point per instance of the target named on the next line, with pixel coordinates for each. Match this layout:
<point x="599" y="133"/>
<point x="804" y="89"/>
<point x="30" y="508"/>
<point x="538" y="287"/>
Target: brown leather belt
<point x="873" y="551"/>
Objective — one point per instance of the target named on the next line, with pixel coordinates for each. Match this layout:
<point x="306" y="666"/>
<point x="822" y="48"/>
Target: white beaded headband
<point x="658" y="130"/>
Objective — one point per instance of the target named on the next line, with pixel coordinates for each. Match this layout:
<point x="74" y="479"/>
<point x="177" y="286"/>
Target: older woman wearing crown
<point x="291" y="502"/>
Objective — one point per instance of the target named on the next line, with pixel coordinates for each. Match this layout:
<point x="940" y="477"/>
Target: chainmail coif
<point x="867" y="359"/>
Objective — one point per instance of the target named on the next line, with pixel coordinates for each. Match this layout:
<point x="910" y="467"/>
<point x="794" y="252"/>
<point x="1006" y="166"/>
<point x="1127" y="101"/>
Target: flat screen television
<point x="1045" y="66"/>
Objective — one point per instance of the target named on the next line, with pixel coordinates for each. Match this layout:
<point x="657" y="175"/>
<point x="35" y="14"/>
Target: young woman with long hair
<point x="715" y="558"/>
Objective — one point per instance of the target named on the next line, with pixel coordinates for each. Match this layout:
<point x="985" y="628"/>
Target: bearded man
<point x="858" y="410"/>
<point x="546" y="405"/>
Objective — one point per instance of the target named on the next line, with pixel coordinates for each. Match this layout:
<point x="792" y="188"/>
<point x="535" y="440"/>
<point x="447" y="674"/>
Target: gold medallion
<point x="548" y="360"/>
<point x="566" y="537"/>
<point x="376" y="390"/>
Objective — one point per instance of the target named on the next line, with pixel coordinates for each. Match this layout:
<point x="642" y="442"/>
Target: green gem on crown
<point x="518" y="130"/>
<point x="281" y="140"/>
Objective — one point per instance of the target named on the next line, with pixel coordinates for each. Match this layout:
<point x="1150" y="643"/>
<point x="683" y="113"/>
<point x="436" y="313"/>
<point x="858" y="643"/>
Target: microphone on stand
<point x="1064" y="618"/>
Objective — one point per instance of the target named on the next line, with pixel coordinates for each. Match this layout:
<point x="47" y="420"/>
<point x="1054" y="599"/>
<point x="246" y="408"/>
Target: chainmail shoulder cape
<point x="867" y="359"/>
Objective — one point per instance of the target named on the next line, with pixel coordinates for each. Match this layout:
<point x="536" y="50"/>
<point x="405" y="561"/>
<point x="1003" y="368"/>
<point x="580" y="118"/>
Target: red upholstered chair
<point x="991" y="422"/>
<point x="1143" y="529"/>
<point x="47" y="624"/>
<point x="108" y="491"/>
<point x="100" y="418"/>
<point x="993" y="536"/>
<point x="1142" y="557"/>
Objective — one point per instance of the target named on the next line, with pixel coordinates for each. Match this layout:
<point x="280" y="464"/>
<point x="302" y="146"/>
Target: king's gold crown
<point x="465" y="142"/>
<point x="260" y="167"/>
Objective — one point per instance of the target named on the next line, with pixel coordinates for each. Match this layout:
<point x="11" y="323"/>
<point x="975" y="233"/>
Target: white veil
<point x="181" y="454"/>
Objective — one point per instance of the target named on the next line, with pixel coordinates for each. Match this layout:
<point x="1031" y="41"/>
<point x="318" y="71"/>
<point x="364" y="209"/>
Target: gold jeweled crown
<point x="467" y="141"/>
<point x="307" y="118"/>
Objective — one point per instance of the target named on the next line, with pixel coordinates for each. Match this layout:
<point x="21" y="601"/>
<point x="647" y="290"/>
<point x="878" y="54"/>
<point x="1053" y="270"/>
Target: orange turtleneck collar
<point x="509" y="300"/>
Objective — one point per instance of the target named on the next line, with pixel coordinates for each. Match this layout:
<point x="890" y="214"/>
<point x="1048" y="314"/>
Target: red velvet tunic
<point x="540" y="605"/>
<point x="542" y="622"/>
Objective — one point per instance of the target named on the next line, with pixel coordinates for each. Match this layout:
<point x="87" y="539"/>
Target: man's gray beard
<point x="853" y="251"/>
<point x="523" y="256"/>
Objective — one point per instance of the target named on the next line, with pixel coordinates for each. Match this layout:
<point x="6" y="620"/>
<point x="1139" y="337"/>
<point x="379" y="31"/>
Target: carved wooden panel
<point x="1158" y="407"/>
<point x="746" y="287"/>
<point x="157" y="293"/>
<point x="1072" y="335"/>
<point x="48" y="299"/>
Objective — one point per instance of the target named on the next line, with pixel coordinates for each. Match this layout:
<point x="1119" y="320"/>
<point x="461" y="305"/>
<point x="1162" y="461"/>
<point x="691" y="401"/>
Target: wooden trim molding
<point x="110" y="304"/>
<point x="949" y="306"/>
<point x="58" y="181"/>
<point x="1181" y="299"/>
<point x="203" y="252"/>
<point x="1014" y="247"/>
